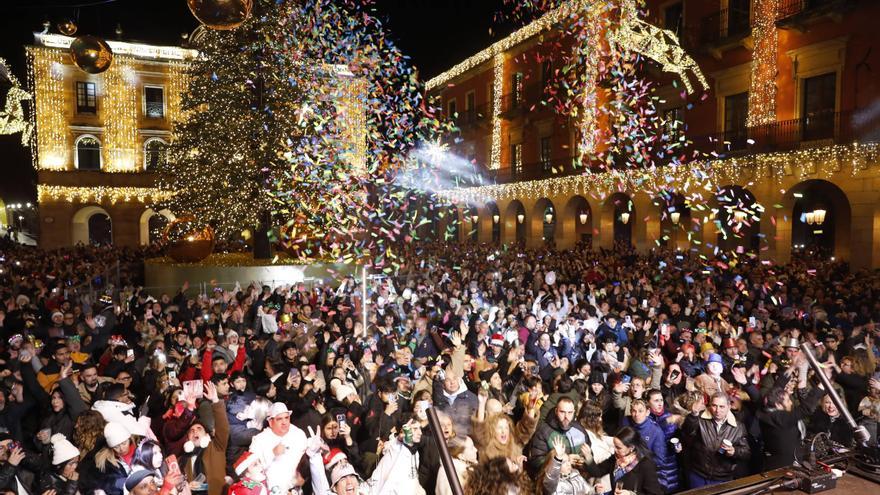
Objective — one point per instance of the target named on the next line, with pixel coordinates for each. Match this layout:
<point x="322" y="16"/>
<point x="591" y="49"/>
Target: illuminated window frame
<point x="76" y="152"/>
<point x="147" y="152"/>
<point x="164" y="101"/>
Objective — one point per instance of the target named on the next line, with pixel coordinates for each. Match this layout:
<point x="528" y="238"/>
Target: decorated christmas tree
<point x="249" y="100"/>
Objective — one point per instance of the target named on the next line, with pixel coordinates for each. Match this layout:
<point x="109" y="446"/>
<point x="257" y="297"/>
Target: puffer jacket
<point x="573" y="483"/>
<point x="539" y="448"/>
<point x="702" y="440"/>
<point x="671" y="480"/>
<point x="656" y="441"/>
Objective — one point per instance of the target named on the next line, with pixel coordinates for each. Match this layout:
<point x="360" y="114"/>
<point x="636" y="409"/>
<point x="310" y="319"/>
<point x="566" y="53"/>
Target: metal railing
<point x="791" y="8"/>
<point x="155" y="110"/>
<point x="472" y="116"/>
<point x="818" y="128"/>
<point x="724" y="25"/>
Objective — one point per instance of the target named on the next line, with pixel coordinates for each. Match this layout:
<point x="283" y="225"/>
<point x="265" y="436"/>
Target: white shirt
<point x="280" y="470"/>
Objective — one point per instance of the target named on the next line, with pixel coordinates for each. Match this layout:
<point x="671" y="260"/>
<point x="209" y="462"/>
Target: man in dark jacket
<point x="453" y="397"/>
<point x="561" y="422"/>
<point x="712" y="460"/>
<point x="780" y="424"/>
<point x="656" y="441"/>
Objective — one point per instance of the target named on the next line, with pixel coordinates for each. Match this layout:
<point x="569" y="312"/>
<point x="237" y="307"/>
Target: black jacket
<point x="779" y="429"/>
<point x="702" y="439"/>
<point x="642" y="479"/>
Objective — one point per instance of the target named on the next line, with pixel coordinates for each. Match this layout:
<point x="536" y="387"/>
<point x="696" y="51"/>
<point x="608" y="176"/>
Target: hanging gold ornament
<point x="221" y="14"/>
<point x="91" y="54"/>
<point x="67" y="27"/>
<point x="186" y="242"/>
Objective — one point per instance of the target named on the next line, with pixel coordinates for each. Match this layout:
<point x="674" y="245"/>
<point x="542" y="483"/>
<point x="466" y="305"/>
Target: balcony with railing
<point x="720" y="31"/>
<point x="517" y="103"/>
<point x="797" y="14"/>
<point x="818" y="129"/>
<point x="472" y="116"/>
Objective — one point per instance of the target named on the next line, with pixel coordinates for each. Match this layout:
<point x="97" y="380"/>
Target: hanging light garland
<point x="51" y="146"/>
<point x="98" y="194"/>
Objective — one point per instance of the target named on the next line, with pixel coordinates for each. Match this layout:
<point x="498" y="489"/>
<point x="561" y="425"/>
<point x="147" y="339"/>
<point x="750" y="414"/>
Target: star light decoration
<point x="12" y="118"/>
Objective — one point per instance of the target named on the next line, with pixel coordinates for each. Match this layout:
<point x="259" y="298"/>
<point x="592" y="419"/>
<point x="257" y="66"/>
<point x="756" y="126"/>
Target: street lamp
<point x="583" y="217"/>
<point x="496" y="218"/>
<point x="819" y="215"/>
<point x="548" y="217"/>
<point x="520" y="218"/>
<point x="739" y="216"/>
<point x="474" y="218"/>
<point x="675" y="217"/>
<point x="624" y="217"/>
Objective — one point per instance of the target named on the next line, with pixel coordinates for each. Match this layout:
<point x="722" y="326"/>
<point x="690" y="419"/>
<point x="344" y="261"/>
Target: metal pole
<point x="859" y="432"/>
<point x="364" y="298"/>
<point x="445" y="458"/>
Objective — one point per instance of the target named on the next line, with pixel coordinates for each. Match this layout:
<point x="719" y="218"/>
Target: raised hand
<point x="314" y="442"/>
<point x="558" y="445"/>
<point x="211" y="392"/>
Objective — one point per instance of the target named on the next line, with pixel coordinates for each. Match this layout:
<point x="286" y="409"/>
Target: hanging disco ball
<point x="221" y="14"/>
<point x="91" y="54"/>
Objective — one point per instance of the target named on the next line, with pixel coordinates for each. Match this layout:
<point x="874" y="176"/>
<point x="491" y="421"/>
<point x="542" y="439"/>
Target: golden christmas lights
<point x="46" y="78"/>
<point x="12" y="119"/>
<point x="762" y="90"/>
<point x="98" y="194"/>
<point x="120" y="97"/>
<point x="821" y="162"/>
<point x="497" y="89"/>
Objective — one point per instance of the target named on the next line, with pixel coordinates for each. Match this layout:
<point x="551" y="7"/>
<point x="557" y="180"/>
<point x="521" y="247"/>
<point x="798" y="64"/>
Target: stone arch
<point x="540" y="227"/>
<point x="674" y="213"/>
<point x="514" y="218"/>
<point x="92" y="224"/>
<point x="576" y="222"/>
<point x="735" y="220"/>
<point x="148" y="224"/>
<point x="617" y="216"/>
<point x="494" y="220"/>
<point x="832" y="236"/>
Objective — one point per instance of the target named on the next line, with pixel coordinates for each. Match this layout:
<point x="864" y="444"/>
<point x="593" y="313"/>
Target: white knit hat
<point x="62" y="449"/>
<point x="115" y="434"/>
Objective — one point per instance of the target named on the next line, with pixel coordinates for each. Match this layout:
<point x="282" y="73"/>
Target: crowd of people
<point x="556" y="372"/>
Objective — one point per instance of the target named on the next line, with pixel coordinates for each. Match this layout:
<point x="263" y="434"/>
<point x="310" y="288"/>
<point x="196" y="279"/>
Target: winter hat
<point x="497" y="339"/>
<point x="341" y="471"/>
<point x="715" y="358"/>
<point x="244" y="462"/>
<point x="135" y="478"/>
<point x="62" y="449"/>
<point x="332" y="458"/>
<point x="115" y="434"/>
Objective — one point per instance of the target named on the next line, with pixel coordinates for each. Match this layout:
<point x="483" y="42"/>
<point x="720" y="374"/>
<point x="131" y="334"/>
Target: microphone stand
<point x="860" y="433"/>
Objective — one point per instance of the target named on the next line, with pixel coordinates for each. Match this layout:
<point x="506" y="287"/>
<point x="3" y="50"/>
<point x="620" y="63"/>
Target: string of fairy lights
<point x="762" y="90"/>
<point x="121" y="150"/>
<point x="98" y="194"/>
<point x="50" y="141"/>
<point x="821" y="162"/>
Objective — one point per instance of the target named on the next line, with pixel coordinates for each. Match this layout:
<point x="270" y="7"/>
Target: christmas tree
<point x="249" y="101"/>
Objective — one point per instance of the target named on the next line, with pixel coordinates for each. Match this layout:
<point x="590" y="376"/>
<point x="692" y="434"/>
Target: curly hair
<point x="494" y="476"/>
<point x="89" y="428"/>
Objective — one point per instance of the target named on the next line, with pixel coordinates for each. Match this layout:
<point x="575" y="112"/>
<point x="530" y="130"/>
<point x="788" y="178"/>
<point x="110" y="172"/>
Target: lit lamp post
<point x="583" y="217"/>
<point x="496" y="218"/>
<point x="548" y="217"/>
<point x="624" y="217"/>
<point x="520" y="218"/>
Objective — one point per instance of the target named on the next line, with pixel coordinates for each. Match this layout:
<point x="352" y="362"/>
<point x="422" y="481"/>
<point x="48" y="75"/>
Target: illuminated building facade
<point x="790" y="122"/>
<point x="99" y="138"/>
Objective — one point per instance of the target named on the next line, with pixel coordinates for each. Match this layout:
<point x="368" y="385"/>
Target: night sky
<point x="435" y="33"/>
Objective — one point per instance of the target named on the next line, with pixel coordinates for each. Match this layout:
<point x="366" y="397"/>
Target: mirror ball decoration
<point x="67" y="27"/>
<point x="221" y="14"/>
<point x="91" y="54"/>
<point x="186" y="242"/>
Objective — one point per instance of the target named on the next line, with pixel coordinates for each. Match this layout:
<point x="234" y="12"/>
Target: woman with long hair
<point x="464" y="455"/>
<point x="338" y="436"/>
<point x="591" y="418"/>
<point x="498" y="476"/>
<point x="88" y="430"/>
<point x="497" y="436"/>
<point x="631" y="470"/>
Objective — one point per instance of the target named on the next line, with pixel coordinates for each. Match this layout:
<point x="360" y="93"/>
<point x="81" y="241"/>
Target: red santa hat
<point x="244" y="462"/>
<point x="333" y="457"/>
<point x="497" y="339"/>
